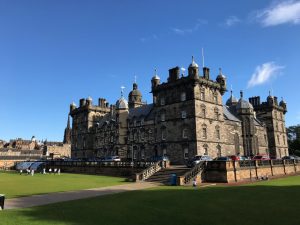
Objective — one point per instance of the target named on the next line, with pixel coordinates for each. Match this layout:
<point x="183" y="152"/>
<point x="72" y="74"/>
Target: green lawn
<point x="14" y="185"/>
<point x="264" y="203"/>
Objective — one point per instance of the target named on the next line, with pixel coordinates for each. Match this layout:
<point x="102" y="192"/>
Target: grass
<point x="269" y="203"/>
<point x="14" y="185"/>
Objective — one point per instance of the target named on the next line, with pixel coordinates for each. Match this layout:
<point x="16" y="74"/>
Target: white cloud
<point x="149" y="38"/>
<point x="280" y="13"/>
<point x="196" y="27"/>
<point x="263" y="73"/>
<point x="231" y="21"/>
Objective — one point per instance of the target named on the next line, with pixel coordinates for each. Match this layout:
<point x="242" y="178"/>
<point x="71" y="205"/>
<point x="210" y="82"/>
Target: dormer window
<point x="183" y="96"/>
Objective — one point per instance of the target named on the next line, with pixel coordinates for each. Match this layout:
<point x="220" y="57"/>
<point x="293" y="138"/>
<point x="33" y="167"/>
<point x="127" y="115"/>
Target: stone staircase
<point x="164" y="175"/>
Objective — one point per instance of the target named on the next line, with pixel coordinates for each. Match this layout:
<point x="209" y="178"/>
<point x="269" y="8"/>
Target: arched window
<point x="183" y="96"/>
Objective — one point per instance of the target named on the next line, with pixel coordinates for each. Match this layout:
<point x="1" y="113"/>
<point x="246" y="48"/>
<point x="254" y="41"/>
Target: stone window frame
<point x="183" y="96"/>
<point x="218" y="132"/>
<point x="183" y="114"/>
<point x="186" y="152"/>
<point x="163" y="133"/>
<point x="162" y="116"/>
<point x="164" y="151"/>
<point x="216" y="114"/>
<point x="162" y="101"/>
<point x="203" y="111"/>
<point x="204" y="131"/>
<point x="202" y="94"/>
<point x="184" y="133"/>
<point x="205" y="148"/>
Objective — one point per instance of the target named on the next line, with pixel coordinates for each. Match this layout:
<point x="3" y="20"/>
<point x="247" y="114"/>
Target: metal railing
<point x="246" y="163"/>
<point x="145" y="174"/>
<point x="120" y="164"/>
<point x="191" y="174"/>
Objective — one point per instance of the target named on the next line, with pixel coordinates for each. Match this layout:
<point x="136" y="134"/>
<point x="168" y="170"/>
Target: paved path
<point x="37" y="200"/>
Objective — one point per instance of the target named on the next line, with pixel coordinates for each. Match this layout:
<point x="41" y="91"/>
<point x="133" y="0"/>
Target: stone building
<point x="187" y="118"/>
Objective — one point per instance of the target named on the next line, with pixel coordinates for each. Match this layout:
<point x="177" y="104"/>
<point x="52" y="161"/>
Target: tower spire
<point x="122" y="90"/>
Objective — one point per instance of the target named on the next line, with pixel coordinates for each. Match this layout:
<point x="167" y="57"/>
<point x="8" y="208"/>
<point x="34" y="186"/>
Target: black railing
<point x="247" y="163"/>
<point x="120" y="164"/>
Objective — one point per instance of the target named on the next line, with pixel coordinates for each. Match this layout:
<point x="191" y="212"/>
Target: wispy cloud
<point x="149" y="38"/>
<point x="263" y="73"/>
<point x="231" y="21"/>
<point x="184" y="31"/>
<point x="279" y="13"/>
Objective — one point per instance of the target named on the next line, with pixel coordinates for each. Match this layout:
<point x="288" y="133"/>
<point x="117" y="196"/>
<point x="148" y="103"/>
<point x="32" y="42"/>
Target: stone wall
<point x="236" y="171"/>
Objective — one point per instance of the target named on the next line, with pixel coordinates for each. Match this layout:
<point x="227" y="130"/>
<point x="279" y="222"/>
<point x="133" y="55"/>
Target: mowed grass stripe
<point x="269" y="203"/>
<point x="14" y="185"/>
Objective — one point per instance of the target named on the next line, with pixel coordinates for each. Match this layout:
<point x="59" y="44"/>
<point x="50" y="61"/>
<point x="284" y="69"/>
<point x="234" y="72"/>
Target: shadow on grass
<point x="239" y="205"/>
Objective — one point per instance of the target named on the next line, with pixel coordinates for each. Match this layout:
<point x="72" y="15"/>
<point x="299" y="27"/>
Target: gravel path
<point x="37" y="200"/>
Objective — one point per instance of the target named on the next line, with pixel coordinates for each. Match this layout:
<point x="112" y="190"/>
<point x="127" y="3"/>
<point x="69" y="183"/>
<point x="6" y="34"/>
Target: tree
<point x="293" y="134"/>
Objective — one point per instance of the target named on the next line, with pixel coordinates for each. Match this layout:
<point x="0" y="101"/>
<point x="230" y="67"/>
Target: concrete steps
<point x="164" y="175"/>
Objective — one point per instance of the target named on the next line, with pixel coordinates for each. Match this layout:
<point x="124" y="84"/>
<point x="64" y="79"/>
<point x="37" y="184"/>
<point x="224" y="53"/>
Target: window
<point x="186" y="153"/>
<point x="203" y="111"/>
<point x="204" y="132"/>
<point x="162" y="101"/>
<point x="202" y="95"/>
<point x="184" y="133"/>
<point x="266" y="139"/>
<point x="142" y="135"/>
<point x="205" y="148"/>
<point x="143" y="153"/>
<point x="183" y="114"/>
<point x="282" y="127"/>
<point x="216" y="113"/>
<point x="164" y="152"/>
<point x="278" y="140"/>
<point x="216" y="99"/>
<point x="276" y="126"/>
<point x="163" y="134"/>
<point x="219" y="152"/>
<point x="284" y="140"/>
<point x="183" y="96"/>
<point x="218" y="136"/>
<point x="162" y="117"/>
<point x="275" y="113"/>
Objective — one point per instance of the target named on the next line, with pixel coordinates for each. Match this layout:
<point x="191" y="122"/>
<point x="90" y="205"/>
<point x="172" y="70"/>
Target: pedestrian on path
<point x="195" y="182"/>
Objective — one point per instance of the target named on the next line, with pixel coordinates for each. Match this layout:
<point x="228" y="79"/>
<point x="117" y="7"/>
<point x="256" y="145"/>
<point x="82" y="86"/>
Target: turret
<point x="221" y="79"/>
<point x="282" y="103"/>
<point x="155" y="81"/>
<point x="89" y="101"/>
<point x="134" y="97"/>
<point x="193" y="69"/>
<point x="232" y="100"/>
<point x="72" y="106"/>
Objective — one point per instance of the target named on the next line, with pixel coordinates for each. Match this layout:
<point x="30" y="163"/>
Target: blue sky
<point x="56" y="52"/>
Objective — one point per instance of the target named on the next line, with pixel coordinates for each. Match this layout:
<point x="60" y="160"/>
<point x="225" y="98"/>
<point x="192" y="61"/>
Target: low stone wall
<point x="108" y="171"/>
<point x="236" y="171"/>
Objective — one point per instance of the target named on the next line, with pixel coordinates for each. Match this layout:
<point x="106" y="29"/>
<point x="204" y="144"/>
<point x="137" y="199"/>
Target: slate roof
<point x="140" y="111"/>
<point x="228" y="115"/>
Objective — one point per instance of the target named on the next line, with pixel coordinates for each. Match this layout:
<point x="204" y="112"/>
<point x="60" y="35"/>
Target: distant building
<point x="187" y="118"/>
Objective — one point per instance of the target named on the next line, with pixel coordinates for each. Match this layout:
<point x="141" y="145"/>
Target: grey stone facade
<point x="187" y="117"/>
